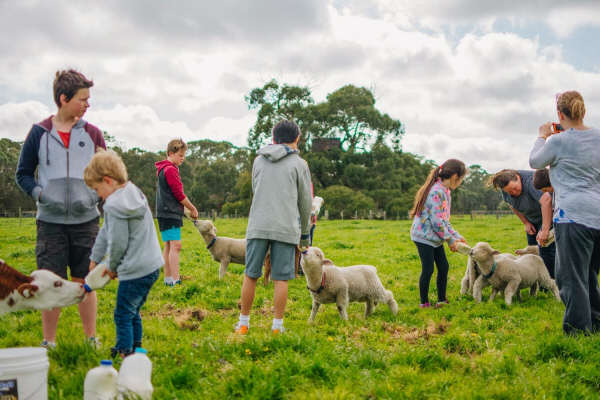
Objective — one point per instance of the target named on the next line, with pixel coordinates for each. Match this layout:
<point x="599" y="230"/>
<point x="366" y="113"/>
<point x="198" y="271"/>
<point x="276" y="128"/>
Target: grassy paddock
<point x="464" y="350"/>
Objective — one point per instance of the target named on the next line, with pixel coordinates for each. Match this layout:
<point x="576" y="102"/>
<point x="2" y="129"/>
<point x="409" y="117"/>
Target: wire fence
<point x="356" y="215"/>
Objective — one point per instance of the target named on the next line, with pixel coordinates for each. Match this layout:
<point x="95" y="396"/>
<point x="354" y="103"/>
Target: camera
<point x="556" y="128"/>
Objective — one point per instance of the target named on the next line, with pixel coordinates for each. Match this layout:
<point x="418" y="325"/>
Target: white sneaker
<point x="94" y="342"/>
<point x="277" y="331"/>
<point x="48" y="345"/>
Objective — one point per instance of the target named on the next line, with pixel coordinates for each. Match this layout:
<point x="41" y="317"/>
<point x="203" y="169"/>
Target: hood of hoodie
<point x="127" y="202"/>
<point x="160" y="165"/>
<point x="275" y="152"/>
<point x="47" y="123"/>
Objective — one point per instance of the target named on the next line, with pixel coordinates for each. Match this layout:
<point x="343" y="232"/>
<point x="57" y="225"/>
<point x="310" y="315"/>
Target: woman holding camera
<point x="575" y="175"/>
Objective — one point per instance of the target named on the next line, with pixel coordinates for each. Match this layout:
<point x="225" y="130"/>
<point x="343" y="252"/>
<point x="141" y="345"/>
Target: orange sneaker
<point x="241" y="329"/>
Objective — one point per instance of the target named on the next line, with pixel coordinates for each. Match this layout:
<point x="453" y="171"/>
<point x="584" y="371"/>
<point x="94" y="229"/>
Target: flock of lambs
<point x="326" y="282"/>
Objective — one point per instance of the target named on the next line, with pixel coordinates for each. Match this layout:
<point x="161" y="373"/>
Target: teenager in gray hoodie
<point x="128" y="237"/>
<point x="50" y="170"/>
<point x="279" y="219"/>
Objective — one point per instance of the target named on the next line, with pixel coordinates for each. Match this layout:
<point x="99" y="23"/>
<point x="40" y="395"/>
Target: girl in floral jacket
<point x="431" y="226"/>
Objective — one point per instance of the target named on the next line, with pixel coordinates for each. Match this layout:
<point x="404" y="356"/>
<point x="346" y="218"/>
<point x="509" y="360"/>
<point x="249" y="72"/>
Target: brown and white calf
<point x="42" y="290"/>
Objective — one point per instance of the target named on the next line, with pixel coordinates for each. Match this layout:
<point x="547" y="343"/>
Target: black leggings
<point x="428" y="255"/>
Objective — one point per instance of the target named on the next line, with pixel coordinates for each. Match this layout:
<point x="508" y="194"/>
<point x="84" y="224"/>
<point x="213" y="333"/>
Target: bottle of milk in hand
<point x="94" y="279"/>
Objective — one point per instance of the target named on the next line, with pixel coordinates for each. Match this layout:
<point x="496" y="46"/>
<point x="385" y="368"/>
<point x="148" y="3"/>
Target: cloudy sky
<point x="470" y="79"/>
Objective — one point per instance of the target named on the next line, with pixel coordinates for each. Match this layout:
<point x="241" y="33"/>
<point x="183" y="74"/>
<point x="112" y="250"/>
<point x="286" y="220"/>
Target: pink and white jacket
<point x="432" y="226"/>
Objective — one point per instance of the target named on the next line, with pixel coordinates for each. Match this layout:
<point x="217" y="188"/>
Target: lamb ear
<point x="495" y="252"/>
<point x="27" y="290"/>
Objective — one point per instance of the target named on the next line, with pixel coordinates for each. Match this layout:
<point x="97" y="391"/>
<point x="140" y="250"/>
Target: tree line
<point x="353" y="150"/>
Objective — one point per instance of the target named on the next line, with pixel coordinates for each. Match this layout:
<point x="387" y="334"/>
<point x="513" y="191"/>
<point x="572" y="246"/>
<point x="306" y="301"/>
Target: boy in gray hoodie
<point x="279" y="219"/>
<point x="128" y="237"/>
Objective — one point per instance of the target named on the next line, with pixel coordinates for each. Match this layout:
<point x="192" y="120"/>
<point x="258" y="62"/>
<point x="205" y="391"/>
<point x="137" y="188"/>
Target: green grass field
<point x="461" y="351"/>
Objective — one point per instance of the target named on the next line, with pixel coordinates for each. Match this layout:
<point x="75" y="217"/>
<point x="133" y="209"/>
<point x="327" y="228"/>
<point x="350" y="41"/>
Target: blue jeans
<point x="131" y="296"/>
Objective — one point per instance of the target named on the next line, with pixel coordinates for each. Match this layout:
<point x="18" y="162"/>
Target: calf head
<point x="42" y="290"/>
<point x="48" y="290"/>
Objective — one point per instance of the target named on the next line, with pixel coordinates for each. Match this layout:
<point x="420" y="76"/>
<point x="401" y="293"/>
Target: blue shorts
<point x="282" y="259"/>
<point x="171" y="234"/>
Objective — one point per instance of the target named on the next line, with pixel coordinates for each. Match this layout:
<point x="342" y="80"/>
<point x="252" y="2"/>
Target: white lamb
<point x="330" y="284"/>
<point x="472" y="272"/>
<point x="508" y="273"/>
<point x="223" y="249"/>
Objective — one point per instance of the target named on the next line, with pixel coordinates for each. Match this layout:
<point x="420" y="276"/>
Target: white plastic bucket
<point x="24" y="373"/>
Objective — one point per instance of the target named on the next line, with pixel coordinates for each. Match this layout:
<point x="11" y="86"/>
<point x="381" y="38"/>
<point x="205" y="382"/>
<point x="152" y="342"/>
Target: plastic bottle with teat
<point x="101" y="382"/>
<point x="94" y="279"/>
<point x="135" y="376"/>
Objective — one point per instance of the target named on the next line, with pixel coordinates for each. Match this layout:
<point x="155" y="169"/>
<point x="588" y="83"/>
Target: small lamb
<point x="509" y="273"/>
<point x="222" y="249"/>
<point x="330" y="284"/>
<point x="472" y="271"/>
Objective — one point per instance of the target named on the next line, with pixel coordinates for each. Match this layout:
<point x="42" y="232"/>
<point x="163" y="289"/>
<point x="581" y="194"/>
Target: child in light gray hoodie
<point x="279" y="219"/>
<point x="128" y="237"/>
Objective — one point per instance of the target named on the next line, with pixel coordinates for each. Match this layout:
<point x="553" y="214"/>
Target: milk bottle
<point x="135" y="375"/>
<point x="94" y="279"/>
<point x="101" y="382"/>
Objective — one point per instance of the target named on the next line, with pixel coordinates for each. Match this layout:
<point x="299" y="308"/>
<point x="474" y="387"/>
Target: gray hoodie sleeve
<point x="304" y="200"/>
<point x="542" y="154"/>
<point x="118" y="232"/>
<point x="100" y="245"/>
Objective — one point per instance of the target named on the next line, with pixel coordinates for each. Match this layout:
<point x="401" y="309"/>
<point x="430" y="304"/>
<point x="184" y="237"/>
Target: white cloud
<point x="478" y="95"/>
<point x="567" y="19"/>
<point x="139" y="126"/>
<point x="16" y="119"/>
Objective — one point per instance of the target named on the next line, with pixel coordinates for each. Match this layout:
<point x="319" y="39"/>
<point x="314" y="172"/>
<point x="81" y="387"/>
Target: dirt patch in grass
<point x="187" y="318"/>
<point x="412" y="335"/>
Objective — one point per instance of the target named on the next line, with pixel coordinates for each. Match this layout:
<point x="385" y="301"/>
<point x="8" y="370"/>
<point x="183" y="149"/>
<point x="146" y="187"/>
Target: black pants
<point x="61" y="245"/>
<point x="578" y="249"/>
<point x="429" y="255"/>
<point x="548" y="253"/>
